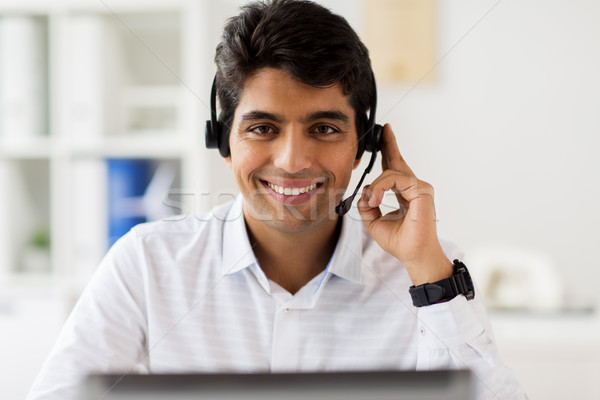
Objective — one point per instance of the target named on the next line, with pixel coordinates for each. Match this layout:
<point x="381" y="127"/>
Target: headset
<point x="370" y="139"/>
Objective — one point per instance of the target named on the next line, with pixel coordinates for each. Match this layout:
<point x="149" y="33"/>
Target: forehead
<point x="274" y="90"/>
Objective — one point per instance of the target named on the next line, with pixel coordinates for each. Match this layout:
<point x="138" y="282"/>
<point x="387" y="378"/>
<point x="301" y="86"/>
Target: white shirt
<point x="189" y="296"/>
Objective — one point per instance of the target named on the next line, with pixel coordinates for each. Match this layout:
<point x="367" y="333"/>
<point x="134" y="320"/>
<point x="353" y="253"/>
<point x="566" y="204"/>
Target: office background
<point x="500" y="116"/>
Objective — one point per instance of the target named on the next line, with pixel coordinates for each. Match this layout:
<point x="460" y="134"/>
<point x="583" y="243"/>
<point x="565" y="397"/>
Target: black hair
<point x="305" y="39"/>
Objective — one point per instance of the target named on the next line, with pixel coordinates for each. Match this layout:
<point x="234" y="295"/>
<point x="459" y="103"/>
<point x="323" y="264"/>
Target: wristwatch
<point x="445" y="289"/>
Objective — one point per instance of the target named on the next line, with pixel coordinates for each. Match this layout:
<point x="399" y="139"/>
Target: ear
<point x="356" y="163"/>
<point x="228" y="161"/>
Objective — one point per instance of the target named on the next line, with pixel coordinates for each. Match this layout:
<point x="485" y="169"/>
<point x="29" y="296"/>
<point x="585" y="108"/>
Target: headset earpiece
<point x="372" y="134"/>
<point x="210" y="138"/>
<point x="376" y="136"/>
<point x="212" y="131"/>
<point x="214" y="135"/>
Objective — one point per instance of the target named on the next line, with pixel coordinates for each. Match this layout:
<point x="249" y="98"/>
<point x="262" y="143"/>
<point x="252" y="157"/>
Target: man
<point x="276" y="281"/>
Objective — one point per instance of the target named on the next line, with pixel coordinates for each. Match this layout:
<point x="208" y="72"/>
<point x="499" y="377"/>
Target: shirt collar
<point x="238" y="254"/>
<point x="346" y="260"/>
<point x="237" y="251"/>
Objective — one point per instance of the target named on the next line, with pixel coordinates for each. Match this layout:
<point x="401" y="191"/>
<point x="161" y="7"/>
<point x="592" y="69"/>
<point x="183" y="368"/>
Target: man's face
<point x="293" y="149"/>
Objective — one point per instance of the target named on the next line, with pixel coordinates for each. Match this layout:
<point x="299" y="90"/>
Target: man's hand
<point x="408" y="233"/>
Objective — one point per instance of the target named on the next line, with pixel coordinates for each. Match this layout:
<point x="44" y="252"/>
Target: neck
<point x="292" y="259"/>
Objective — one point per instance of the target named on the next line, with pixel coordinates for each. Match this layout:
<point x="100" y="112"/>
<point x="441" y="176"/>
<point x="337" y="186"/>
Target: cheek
<point x="341" y="161"/>
<point x="245" y="160"/>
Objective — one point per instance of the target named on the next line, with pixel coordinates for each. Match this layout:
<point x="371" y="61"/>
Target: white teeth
<point x="291" y="191"/>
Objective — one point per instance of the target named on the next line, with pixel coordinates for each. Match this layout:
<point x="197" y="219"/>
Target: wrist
<point x="431" y="270"/>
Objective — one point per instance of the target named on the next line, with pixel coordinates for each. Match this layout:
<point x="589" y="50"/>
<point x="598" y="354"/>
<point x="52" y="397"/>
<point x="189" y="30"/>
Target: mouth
<point x="292" y="190"/>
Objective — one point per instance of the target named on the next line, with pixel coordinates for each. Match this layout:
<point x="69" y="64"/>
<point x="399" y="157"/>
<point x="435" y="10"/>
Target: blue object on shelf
<point x="127" y="182"/>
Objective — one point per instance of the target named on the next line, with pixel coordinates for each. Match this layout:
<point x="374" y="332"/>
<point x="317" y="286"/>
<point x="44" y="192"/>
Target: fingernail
<point x="372" y="201"/>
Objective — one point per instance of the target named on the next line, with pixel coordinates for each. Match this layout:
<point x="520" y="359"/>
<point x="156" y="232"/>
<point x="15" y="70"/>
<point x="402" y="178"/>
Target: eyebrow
<point x="257" y="115"/>
<point x="330" y="114"/>
<point x="326" y="114"/>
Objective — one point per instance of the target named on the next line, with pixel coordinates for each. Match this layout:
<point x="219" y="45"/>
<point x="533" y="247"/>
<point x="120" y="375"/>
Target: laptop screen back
<point x="397" y="385"/>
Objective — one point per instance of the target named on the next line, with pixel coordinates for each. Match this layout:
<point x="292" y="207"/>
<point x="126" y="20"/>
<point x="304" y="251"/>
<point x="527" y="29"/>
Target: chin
<point x="293" y="225"/>
<point x="291" y="219"/>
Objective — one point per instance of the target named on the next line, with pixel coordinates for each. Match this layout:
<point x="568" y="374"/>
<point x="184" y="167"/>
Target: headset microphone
<point x="377" y="136"/>
<point x="370" y="140"/>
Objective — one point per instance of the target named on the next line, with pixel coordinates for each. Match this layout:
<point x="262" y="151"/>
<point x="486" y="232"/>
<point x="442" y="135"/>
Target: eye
<point x="325" y="130"/>
<point x="261" y="130"/>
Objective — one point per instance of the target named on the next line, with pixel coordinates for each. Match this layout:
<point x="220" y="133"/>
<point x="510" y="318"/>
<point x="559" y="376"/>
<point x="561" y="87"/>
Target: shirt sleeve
<point x="106" y="331"/>
<point x="457" y="334"/>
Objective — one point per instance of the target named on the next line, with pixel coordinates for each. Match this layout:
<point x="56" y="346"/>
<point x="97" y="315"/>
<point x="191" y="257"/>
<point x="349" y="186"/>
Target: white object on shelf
<point x="23" y="77"/>
<point x="517" y="278"/>
<point x="88" y="226"/>
<point x="84" y="78"/>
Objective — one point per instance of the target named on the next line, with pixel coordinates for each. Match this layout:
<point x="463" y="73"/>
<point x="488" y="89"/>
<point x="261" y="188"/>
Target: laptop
<point x="372" y="385"/>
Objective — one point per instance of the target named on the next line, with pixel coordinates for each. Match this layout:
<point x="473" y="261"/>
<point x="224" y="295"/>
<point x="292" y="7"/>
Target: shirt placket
<point x="287" y="324"/>
<point x="285" y="340"/>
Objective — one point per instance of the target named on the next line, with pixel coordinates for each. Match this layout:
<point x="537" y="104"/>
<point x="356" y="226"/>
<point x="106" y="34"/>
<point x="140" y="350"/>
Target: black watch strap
<point x="445" y="289"/>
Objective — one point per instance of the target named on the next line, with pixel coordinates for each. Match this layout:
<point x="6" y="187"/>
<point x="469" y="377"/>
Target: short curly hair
<point x="308" y="41"/>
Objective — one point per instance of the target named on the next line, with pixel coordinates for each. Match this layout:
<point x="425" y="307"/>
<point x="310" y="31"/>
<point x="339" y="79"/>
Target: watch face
<point x="470" y="295"/>
<point x="460" y="270"/>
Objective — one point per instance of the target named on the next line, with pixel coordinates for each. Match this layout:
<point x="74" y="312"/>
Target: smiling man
<point x="277" y="280"/>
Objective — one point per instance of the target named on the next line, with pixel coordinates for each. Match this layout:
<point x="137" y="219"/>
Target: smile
<point x="291" y="191"/>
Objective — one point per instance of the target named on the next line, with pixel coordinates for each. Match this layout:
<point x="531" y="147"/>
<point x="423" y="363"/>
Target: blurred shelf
<point x="151" y="96"/>
<point x="146" y="144"/>
<point x="28" y="148"/>
<point x="116" y="84"/>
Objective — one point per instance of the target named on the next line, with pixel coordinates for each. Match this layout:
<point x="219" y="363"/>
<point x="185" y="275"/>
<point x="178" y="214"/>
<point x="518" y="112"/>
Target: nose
<point x="292" y="150"/>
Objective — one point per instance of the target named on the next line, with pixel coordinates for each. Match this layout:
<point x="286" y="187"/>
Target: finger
<point x="416" y="200"/>
<point x="407" y="188"/>
<point x="390" y="153"/>
<point x="390" y="180"/>
<point x="368" y="214"/>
